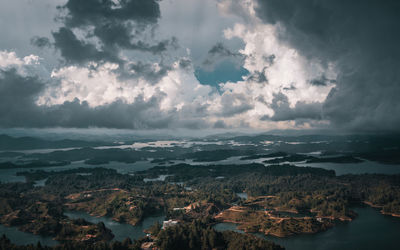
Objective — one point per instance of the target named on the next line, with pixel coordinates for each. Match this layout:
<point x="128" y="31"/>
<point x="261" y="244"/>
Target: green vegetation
<point x="197" y="235"/>
<point x="271" y="155"/>
<point x="283" y="200"/>
<point x="32" y="164"/>
<point x="6" y="244"/>
<point x="216" y="155"/>
<point x="312" y="159"/>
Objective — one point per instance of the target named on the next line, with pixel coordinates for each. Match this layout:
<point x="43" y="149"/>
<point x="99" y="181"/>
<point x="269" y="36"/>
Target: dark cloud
<point x="362" y="38"/>
<point x="118" y="35"/>
<point x="301" y="111"/>
<point x="18" y="95"/>
<point x="145" y="47"/>
<point x="41" y="42"/>
<point x="196" y="109"/>
<point x="292" y="87"/>
<point x="185" y="63"/>
<point x="269" y="60"/>
<point x="115" y="26"/>
<point x="142" y="114"/>
<point x="77" y="51"/>
<point x="18" y="108"/>
<point x="234" y="104"/>
<point x="322" y="81"/>
<point x="219" y="124"/>
<point x="106" y="30"/>
<point x="147" y="71"/>
<point x="93" y="12"/>
<point x="219" y="52"/>
<point x="260" y="76"/>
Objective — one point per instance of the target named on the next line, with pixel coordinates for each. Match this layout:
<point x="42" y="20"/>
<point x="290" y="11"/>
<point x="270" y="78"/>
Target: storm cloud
<point x="361" y="38"/>
<point x="149" y="64"/>
<point x="103" y="31"/>
<point x="40" y="42"/>
<point x="220" y="52"/>
<point x="107" y="27"/>
<point x="74" y="50"/>
<point x="301" y="111"/>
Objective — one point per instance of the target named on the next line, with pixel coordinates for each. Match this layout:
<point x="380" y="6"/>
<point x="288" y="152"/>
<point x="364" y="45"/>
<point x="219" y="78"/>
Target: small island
<point x="282" y="200"/>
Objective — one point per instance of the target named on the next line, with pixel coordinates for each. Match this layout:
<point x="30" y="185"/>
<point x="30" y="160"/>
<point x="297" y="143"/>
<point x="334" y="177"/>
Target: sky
<point x="243" y="65"/>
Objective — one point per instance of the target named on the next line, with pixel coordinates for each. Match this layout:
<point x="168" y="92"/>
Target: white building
<point x="169" y="223"/>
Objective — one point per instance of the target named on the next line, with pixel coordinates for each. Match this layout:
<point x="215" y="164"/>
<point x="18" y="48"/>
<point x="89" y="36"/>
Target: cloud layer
<point x="131" y="64"/>
<point x="361" y="38"/>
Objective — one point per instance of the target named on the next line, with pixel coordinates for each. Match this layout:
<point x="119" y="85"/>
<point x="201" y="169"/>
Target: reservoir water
<point x="121" y="231"/>
<point x="365" y="167"/>
<point x="370" y="230"/>
<point x="10" y="175"/>
<point x="22" y="238"/>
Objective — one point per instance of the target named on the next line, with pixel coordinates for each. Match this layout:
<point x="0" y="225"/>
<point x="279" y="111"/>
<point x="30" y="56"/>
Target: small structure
<point x="169" y="223"/>
<point x="192" y="206"/>
<point x="147" y="246"/>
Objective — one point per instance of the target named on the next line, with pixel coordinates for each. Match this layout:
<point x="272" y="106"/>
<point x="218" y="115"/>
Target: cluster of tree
<point x="312" y="159"/>
<point x="32" y="164"/>
<point x="127" y="244"/>
<point x="198" y="235"/>
<point x="186" y="172"/>
<point x="128" y="198"/>
<point x="40" y="213"/>
<point x="217" y="155"/>
<point x="305" y="189"/>
<point x="259" y="156"/>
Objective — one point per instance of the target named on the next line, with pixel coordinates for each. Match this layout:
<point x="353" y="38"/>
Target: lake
<point x="121" y="231"/>
<point x="370" y="230"/>
<point x="365" y="167"/>
<point x="22" y="238"/>
<point x="9" y="175"/>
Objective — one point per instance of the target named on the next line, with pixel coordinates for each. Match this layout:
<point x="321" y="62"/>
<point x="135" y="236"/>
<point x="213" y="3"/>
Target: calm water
<point x="366" y="167"/>
<point x="22" y="238"/>
<point x="225" y="226"/>
<point x="10" y="175"/>
<point x="120" y="230"/>
<point x="370" y="230"/>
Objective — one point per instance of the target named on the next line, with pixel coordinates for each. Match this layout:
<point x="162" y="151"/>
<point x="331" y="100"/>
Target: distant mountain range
<point x="23" y="143"/>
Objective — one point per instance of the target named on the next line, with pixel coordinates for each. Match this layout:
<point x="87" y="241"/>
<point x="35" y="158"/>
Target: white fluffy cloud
<point x="11" y="60"/>
<point x="101" y="84"/>
<point x="281" y="68"/>
<point x="274" y="68"/>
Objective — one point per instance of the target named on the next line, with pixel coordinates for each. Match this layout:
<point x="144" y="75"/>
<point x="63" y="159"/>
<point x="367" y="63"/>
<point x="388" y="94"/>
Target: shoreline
<point x="381" y="209"/>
